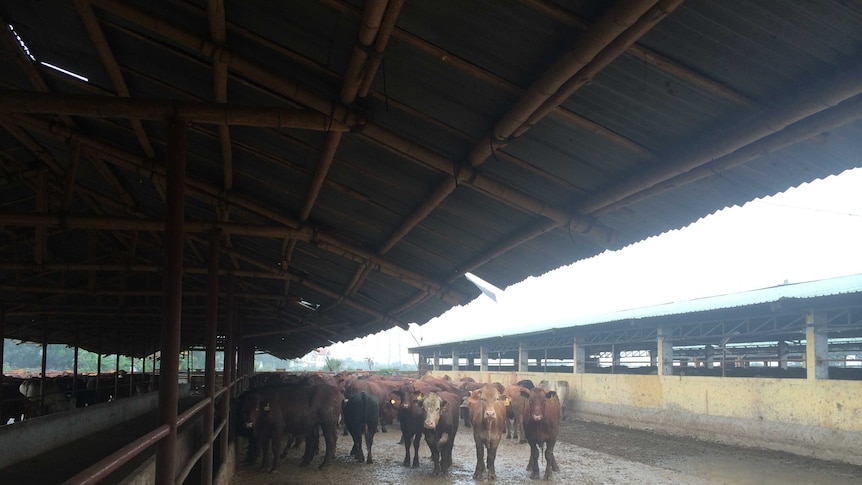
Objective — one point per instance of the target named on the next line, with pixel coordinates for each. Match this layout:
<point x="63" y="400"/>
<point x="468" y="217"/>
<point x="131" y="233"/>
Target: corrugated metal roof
<point x="469" y="151"/>
<point x="809" y="289"/>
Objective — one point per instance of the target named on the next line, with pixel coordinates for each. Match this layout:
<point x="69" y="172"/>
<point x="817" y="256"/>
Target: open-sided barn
<point x="314" y="171"/>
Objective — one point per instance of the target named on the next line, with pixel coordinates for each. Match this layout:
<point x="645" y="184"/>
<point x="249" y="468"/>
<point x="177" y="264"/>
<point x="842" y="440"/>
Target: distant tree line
<point x="27" y="355"/>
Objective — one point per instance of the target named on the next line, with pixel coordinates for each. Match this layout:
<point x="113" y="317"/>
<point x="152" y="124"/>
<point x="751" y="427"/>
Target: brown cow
<point x="440" y="420"/>
<point x="516" y="405"/>
<point x="487" y="415"/>
<point x="541" y="426"/>
<point x="305" y="409"/>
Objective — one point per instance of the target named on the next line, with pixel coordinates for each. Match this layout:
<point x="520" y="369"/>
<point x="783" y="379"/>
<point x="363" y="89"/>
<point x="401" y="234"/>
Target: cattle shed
<point x="777" y="368"/>
<point x="278" y="176"/>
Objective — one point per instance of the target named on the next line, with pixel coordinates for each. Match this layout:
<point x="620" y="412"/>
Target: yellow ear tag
<point x="392" y="401"/>
<point x="506" y="402"/>
<point x="419" y="398"/>
<point x="266" y="408"/>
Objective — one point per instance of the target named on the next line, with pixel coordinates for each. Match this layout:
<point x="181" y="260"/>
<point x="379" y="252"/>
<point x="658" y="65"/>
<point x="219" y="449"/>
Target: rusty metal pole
<point x="75" y="389"/>
<point x="2" y="339"/>
<point x="117" y="370"/>
<point x="44" y="365"/>
<point x="227" y="374"/>
<point x="209" y="365"/>
<point x="172" y="290"/>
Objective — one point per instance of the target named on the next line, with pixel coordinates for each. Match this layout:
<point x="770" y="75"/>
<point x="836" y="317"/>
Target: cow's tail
<point x="364" y="429"/>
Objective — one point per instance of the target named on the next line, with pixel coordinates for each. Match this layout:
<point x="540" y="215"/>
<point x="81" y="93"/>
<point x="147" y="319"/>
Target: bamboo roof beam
<point x="602" y="59"/>
<point x="218" y="34"/>
<point x="819" y="96"/>
<point x="100" y="42"/>
<point x="648" y="56"/>
<point x="201" y="190"/>
<point x="612" y="24"/>
<point x="95" y="106"/>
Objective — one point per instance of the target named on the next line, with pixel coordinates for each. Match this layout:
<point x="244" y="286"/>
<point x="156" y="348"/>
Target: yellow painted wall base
<point x="817" y="418"/>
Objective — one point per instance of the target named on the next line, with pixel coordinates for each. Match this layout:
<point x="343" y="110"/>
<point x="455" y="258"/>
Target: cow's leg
<point x="533" y="464"/>
<point x="480" y="460"/>
<point x="406" y="441"/>
<point x="416" y="441"/>
<point x="446" y="459"/>
<point x="492" y="457"/>
<point x="369" y="440"/>
<point x="264" y="446"/>
<point x="550" y="459"/>
<point x="435" y="457"/>
<point x="330" y="435"/>
<point x="276" y="445"/>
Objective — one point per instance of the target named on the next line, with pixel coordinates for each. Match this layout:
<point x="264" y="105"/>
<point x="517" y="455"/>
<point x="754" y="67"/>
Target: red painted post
<point x="172" y="289"/>
<point x="209" y="365"/>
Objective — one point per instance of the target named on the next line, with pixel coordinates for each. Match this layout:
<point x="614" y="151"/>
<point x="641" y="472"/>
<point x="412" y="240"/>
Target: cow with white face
<point x="440" y="421"/>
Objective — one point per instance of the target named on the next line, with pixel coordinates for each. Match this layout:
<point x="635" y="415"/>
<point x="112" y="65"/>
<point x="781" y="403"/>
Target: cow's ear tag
<point x="420" y="397"/>
<point x="392" y="401"/>
<point x="506" y="401"/>
<point x="266" y="408"/>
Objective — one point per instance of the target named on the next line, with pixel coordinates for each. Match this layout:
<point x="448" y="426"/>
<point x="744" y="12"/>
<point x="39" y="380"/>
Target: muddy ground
<point x="588" y="453"/>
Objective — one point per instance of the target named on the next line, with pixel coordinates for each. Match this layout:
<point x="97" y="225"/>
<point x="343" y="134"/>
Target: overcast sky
<point x="807" y="233"/>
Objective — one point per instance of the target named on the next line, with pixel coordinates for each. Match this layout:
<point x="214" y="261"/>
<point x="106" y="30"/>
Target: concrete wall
<point x="32" y="437"/>
<point x="817" y="418"/>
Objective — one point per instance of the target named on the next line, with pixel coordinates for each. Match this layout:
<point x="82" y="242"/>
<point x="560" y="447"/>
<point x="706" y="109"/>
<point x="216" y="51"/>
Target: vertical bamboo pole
<point x="172" y="289"/>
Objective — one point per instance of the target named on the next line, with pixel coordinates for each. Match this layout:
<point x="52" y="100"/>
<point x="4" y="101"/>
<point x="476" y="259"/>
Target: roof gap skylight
<point x="21" y="43"/>
<point x="26" y="50"/>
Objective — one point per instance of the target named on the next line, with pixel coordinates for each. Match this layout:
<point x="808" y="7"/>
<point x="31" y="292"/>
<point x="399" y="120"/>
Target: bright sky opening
<point x="806" y="233"/>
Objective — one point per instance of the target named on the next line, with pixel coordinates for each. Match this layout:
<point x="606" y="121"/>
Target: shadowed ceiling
<point x="348" y="162"/>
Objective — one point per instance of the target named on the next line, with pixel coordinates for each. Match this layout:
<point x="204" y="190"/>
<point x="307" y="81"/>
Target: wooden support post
<point x="172" y="290"/>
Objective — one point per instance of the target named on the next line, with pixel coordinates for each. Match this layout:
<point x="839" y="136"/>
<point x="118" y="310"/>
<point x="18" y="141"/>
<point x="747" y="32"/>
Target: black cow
<point x="361" y="414"/>
<point x="263" y="415"/>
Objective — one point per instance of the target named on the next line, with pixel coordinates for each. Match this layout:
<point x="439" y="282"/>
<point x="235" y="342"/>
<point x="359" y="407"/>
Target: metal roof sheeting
<point x="503" y="138"/>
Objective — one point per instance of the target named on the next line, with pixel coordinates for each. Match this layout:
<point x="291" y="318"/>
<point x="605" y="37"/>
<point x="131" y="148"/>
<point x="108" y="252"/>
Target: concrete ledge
<point x="812" y="441"/>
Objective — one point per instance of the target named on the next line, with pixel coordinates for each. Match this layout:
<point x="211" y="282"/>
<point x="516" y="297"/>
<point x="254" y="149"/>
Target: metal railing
<point x="104" y="467"/>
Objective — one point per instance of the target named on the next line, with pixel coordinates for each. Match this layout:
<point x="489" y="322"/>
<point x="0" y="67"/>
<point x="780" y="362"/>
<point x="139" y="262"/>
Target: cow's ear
<point x="525" y="394"/>
<point x="551" y="394"/>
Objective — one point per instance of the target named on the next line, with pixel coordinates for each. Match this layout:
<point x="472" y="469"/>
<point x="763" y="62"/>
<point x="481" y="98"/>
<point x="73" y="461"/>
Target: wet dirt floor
<point x="588" y="453"/>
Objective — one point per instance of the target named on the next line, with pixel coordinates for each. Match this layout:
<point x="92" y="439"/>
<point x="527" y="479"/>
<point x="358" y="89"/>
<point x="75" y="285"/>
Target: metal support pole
<point x="44" y="365"/>
<point x="2" y="338"/>
<point x="172" y="290"/>
<point x="227" y="372"/>
<point x="209" y="364"/>
<point x="117" y="370"/>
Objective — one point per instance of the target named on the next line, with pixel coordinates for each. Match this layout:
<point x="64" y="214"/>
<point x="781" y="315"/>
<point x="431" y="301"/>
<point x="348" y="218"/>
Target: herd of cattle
<point x="25" y="398"/>
<point x="276" y="416"/>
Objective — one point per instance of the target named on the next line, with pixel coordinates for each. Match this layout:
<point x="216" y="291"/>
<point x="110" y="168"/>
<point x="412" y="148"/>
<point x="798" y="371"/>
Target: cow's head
<point x="489" y="402"/>
<point x="251" y="407"/>
<point x="433" y="406"/>
<point x="538" y="401"/>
